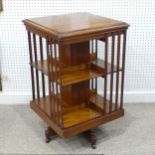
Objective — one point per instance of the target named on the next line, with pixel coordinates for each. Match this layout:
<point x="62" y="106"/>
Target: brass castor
<point x="49" y="133"/>
<point x="89" y="135"/>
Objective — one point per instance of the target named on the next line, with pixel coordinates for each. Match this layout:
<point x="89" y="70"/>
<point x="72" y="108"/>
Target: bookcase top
<point x="70" y="25"/>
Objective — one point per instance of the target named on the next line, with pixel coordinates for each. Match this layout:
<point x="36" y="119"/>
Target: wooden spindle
<point x="96" y="48"/>
<point x="52" y="81"/>
<point x="123" y="68"/>
<point x="96" y="86"/>
<point x="61" y="108"/>
<point x="55" y="51"/>
<point x="96" y="51"/>
<point x="92" y="46"/>
<point x="105" y="77"/>
<point x="31" y="61"/>
<point x="57" y="85"/>
<point x="49" y="75"/>
<point x="36" y="59"/>
<point x="60" y="86"/>
<point x="112" y="70"/>
<point x="92" y="84"/>
<point x="41" y="56"/>
<point x="117" y="74"/>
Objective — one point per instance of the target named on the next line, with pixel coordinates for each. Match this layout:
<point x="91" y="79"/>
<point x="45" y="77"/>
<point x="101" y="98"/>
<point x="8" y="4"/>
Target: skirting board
<point x="129" y="97"/>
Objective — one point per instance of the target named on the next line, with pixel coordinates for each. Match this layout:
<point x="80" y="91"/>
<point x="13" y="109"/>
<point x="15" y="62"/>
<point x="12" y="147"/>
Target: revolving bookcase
<point x="77" y="69"/>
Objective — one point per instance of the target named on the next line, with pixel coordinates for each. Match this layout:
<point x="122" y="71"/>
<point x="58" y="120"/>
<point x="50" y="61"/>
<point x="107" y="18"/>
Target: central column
<point x="76" y="55"/>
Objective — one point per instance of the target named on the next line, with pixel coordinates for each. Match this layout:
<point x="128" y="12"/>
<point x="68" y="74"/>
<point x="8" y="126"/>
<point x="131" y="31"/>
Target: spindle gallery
<point x="66" y="69"/>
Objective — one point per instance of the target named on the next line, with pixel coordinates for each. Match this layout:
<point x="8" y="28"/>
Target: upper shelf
<point x="70" y="25"/>
<point x="99" y="66"/>
<point x="72" y="75"/>
<point x="79" y="76"/>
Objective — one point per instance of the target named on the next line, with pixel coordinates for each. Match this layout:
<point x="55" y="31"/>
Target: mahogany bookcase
<point x="70" y="57"/>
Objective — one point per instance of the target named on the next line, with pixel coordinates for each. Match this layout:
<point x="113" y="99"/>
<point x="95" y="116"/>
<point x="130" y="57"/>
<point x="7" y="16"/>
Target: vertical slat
<point x="31" y="60"/>
<point x="60" y="82"/>
<point x="0" y="83"/>
<point x="61" y="108"/>
<point x="52" y="77"/>
<point x="36" y="59"/>
<point x="92" y="46"/>
<point x="55" y="52"/>
<point x="41" y="56"/>
<point x="117" y="74"/>
<point x="96" y="85"/>
<point x="92" y="84"/>
<point x="49" y="76"/>
<point x="57" y="85"/>
<point x="123" y="68"/>
<point x="96" y="48"/>
<point x="112" y="70"/>
<point x="105" y="77"/>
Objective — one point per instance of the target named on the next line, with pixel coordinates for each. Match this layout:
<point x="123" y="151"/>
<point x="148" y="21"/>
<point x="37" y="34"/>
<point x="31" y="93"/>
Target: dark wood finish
<point x="64" y="49"/>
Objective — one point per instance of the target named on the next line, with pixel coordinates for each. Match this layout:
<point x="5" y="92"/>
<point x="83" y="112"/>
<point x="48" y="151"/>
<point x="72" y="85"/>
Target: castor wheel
<point x="90" y="136"/>
<point x="47" y="136"/>
<point x="47" y="140"/>
<point x="93" y="146"/>
<point x="49" y="133"/>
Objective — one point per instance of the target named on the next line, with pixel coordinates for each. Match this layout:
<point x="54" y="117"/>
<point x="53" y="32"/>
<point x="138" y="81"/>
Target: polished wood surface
<point x="75" y="114"/>
<point x="73" y="24"/>
<point x="97" y="65"/>
<point x="79" y="115"/>
<point x="75" y="74"/>
<point x="74" y="130"/>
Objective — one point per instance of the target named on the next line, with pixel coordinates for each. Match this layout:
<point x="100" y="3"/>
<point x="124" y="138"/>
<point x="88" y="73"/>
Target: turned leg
<point x="89" y="135"/>
<point x="49" y="133"/>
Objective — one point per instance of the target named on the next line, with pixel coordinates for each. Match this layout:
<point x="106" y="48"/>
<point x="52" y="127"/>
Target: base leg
<point x="89" y="135"/>
<point x="49" y="133"/>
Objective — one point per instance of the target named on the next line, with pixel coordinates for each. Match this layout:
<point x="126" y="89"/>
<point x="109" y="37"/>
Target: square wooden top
<point x="69" y="25"/>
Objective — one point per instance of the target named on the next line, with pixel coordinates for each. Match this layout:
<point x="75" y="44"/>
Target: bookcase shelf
<point x="94" y="108"/>
<point x="96" y="69"/>
<point x="65" y="67"/>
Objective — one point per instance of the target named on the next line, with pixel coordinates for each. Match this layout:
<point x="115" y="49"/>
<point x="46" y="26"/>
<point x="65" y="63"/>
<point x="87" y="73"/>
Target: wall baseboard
<point x="15" y="97"/>
<point x="129" y="97"/>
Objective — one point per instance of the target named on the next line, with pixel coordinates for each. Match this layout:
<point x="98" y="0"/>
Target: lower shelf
<point x="76" y="114"/>
<point x="76" y="129"/>
<point x="79" y="115"/>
